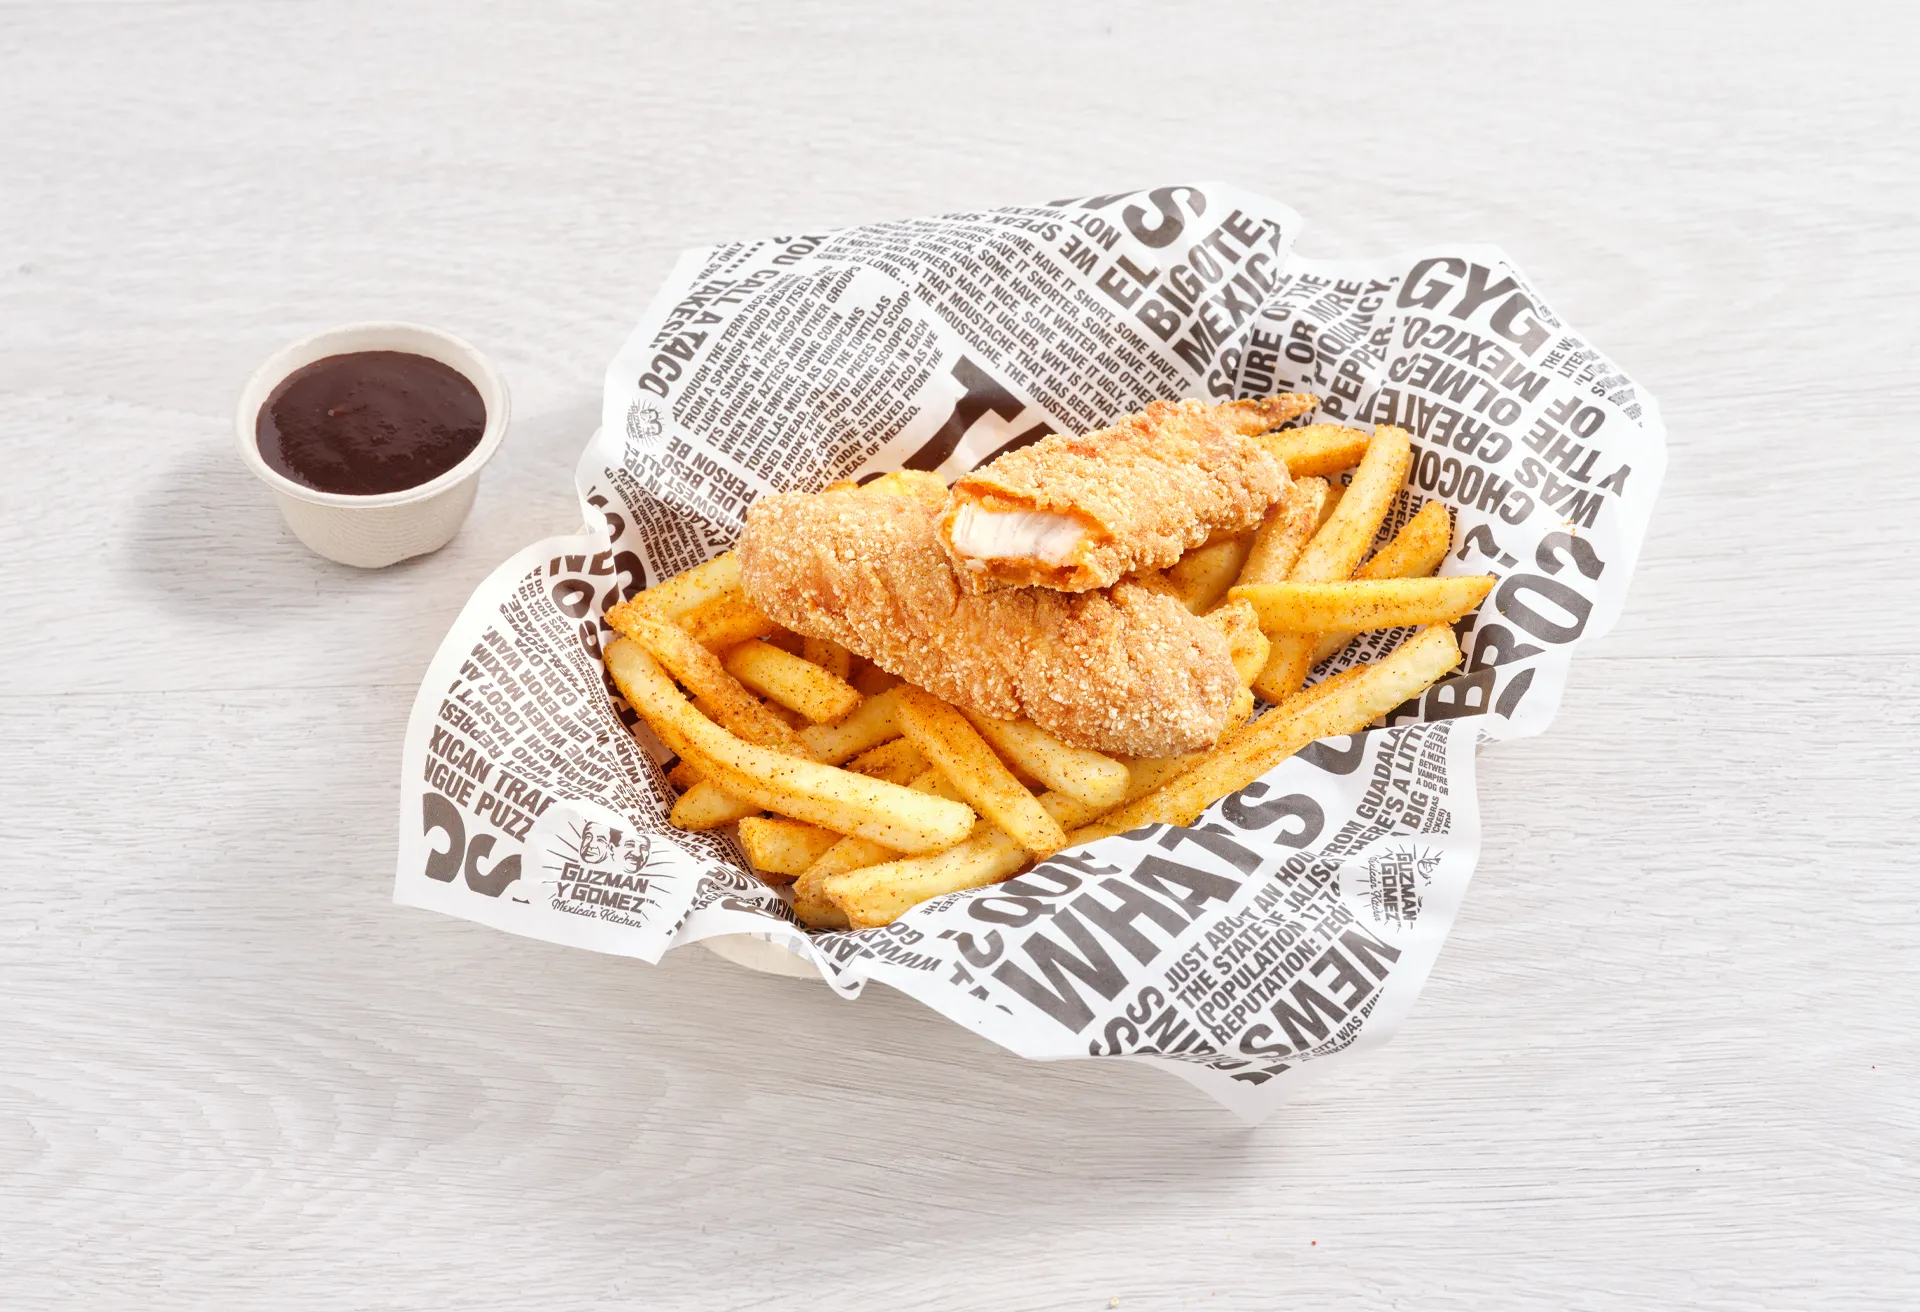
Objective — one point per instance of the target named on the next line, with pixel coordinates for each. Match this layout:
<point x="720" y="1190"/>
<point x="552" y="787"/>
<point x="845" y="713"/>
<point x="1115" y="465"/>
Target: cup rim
<point x="405" y="336"/>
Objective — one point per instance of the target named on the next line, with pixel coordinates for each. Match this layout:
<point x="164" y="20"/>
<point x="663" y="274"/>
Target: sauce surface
<point x="370" y="422"/>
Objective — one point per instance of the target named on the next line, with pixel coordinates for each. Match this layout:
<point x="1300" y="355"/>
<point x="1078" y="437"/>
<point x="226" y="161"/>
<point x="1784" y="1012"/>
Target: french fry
<point x="1202" y="576"/>
<point x="829" y="797"/>
<point x="1246" y="645"/>
<point x="877" y="895"/>
<point x="1342" y="541"/>
<point x="818" y="911"/>
<point x="721" y="696"/>
<point x="1362" y="604"/>
<point x="873" y="722"/>
<point x="1317" y="448"/>
<point x="781" y="849"/>
<point x="1072" y="812"/>
<point x="683" y="592"/>
<point x="707" y="806"/>
<point x="814" y="909"/>
<point x="1337" y="548"/>
<point x="898" y="762"/>
<point x="829" y="656"/>
<point x="1148" y="772"/>
<point x="960" y="753"/>
<point x="1335" y="490"/>
<point x="726" y="621"/>
<point x="683" y="776"/>
<point x="1345" y="704"/>
<point x="1415" y="552"/>
<point x="797" y="684"/>
<point x="916" y="483"/>
<point x="1092" y="778"/>
<point x="841" y="485"/>
<point x="1293" y="520"/>
<point x="787" y="716"/>
<point x="796" y="788"/>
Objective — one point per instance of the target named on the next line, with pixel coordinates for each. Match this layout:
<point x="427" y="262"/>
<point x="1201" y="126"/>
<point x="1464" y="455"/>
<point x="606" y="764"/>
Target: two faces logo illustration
<point x="644" y="423"/>
<point x="627" y="853"/>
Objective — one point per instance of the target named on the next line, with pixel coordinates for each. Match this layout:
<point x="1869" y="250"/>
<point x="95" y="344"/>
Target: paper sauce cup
<point x="375" y="531"/>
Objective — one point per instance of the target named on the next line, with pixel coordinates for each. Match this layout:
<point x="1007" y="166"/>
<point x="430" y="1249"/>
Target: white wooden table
<point x="1668" y="1057"/>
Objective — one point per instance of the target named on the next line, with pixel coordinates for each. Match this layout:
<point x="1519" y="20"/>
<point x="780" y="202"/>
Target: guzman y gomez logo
<point x="1397" y="881"/>
<point x="643" y="424"/>
<point x="603" y="872"/>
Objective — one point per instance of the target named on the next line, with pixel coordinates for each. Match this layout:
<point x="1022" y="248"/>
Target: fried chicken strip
<point x="1076" y="513"/>
<point x="1122" y="671"/>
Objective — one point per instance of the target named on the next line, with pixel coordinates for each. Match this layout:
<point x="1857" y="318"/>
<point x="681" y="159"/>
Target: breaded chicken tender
<point x="1076" y="513"/>
<point x="1123" y="670"/>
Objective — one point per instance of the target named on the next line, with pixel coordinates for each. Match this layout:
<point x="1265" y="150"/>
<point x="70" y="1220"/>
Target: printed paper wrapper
<point x="1299" y="918"/>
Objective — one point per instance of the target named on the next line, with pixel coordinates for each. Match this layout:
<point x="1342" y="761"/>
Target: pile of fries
<point x="867" y="795"/>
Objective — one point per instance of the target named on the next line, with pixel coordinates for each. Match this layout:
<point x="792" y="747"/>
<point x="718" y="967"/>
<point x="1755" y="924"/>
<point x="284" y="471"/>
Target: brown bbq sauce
<point x="370" y="422"/>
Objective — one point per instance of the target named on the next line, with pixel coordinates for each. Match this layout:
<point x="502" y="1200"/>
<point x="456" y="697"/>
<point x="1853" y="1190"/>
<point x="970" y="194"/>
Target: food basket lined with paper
<point x="1081" y="617"/>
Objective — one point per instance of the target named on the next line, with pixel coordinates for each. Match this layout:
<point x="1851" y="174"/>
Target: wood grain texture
<point x="1667" y="1058"/>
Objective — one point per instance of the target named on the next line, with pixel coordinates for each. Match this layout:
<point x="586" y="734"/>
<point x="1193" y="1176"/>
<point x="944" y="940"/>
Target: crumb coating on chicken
<point x="1144" y="490"/>
<point x="1120" y="670"/>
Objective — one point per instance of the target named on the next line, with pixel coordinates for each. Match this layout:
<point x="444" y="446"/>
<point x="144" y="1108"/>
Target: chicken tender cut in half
<point x="1122" y="670"/>
<point x="1076" y="513"/>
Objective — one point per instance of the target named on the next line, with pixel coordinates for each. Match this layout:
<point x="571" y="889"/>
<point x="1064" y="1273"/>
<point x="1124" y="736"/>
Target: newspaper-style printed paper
<point x="1299" y="918"/>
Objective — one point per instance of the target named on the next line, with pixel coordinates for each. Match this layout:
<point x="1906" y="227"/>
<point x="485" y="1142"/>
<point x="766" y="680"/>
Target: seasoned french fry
<point x="872" y="723"/>
<point x="877" y="895"/>
<point x="683" y="592"/>
<point x="781" y="849"/>
<point x="786" y="715"/>
<point x="706" y="806"/>
<point x="1290" y="523"/>
<point x="720" y="694"/>
<point x="1415" y="552"/>
<point x="983" y="779"/>
<point x="898" y="762"/>
<point x="810" y="903"/>
<point x="816" y="910"/>
<point x="1361" y="604"/>
<point x="1335" y="490"/>
<point x="1342" y="541"/>
<point x="726" y="621"/>
<point x="799" y="685"/>
<point x="916" y="483"/>
<point x="1245" y="643"/>
<point x="829" y="656"/>
<point x="1346" y="704"/>
<point x="1202" y="576"/>
<point x="841" y="485"/>
<point x="683" y="776"/>
<point x="799" y="789"/>
<point x="1149" y="772"/>
<point x="1337" y="548"/>
<point x="1093" y="778"/>
<point x="1317" y="448"/>
<point x="1072" y="812"/>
